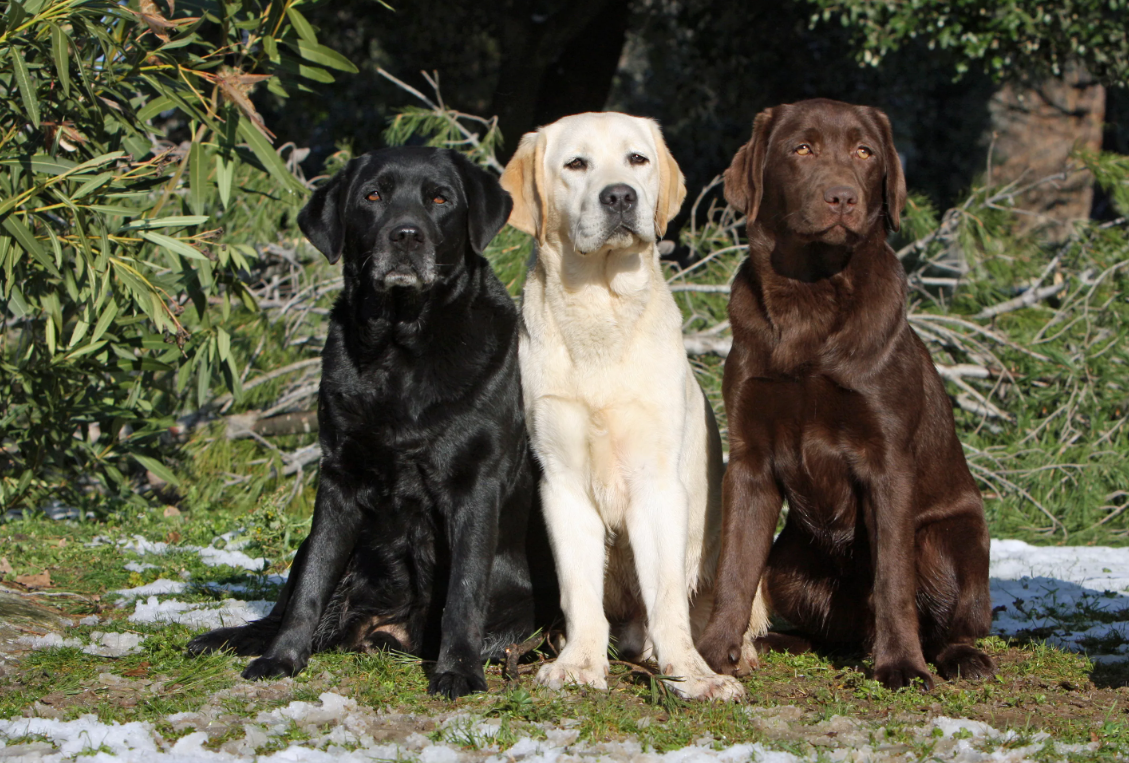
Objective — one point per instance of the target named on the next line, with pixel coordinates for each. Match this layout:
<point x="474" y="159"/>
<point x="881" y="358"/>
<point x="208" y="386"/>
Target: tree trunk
<point x="1035" y="128"/>
<point x="555" y="63"/>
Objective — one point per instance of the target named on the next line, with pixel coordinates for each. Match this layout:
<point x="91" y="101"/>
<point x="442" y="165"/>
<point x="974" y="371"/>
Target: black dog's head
<point x="405" y="218"/>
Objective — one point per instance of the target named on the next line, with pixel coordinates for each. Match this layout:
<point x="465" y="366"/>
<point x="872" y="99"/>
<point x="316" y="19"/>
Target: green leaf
<point x="294" y="66"/>
<point x="223" y="344"/>
<point x="225" y="175"/>
<point x="304" y="29"/>
<point x="320" y="54"/>
<point x="27" y="91"/>
<point x="174" y="245"/>
<point x="29" y="242"/>
<point x="148" y="223"/>
<point x="104" y="321"/>
<point x="157" y="468"/>
<point x="154" y="107"/>
<point x="92" y="184"/>
<point x="266" y="154"/>
<point x="197" y="179"/>
<point x="60" y="48"/>
<point x="41" y="164"/>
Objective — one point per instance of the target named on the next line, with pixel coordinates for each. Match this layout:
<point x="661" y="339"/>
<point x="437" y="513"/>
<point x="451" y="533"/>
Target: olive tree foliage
<point x="134" y="169"/>
<point x="1008" y="37"/>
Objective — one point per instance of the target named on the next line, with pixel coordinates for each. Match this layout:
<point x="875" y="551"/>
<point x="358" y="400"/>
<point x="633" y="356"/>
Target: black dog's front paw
<point x="243" y="641"/>
<point x="273" y="667"/>
<point x="212" y="641"/>
<point x="899" y="674"/>
<point x="453" y="685"/>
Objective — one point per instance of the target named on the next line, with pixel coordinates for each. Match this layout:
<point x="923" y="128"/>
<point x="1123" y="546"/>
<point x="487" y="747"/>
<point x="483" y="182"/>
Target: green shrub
<point x="134" y="169"/>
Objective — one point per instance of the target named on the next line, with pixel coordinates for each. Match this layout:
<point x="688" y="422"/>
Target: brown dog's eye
<point x="862" y="152"/>
<point x="803" y="149"/>
<point x="373" y="196"/>
<point x="577" y="164"/>
<point x="637" y="159"/>
<point x="439" y="199"/>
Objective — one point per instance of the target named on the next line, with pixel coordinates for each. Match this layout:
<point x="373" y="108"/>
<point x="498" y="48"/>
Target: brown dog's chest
<point x="822" y="440"/>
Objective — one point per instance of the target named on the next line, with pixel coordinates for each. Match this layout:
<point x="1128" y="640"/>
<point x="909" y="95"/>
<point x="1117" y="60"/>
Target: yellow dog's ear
<point x="524" y="178"/>
<point x="672" y="185"/>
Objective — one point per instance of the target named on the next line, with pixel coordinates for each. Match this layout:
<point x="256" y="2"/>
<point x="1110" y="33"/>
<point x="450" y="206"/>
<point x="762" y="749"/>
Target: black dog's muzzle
<point x="407" y="260"/>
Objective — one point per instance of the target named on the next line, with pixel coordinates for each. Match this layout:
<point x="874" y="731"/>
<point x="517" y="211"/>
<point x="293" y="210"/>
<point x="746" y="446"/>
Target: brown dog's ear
<point x="524" y="178"/>
<point x="672" y="184"/>
<point x="744" y="180"/>
<point x="894" y="181"/>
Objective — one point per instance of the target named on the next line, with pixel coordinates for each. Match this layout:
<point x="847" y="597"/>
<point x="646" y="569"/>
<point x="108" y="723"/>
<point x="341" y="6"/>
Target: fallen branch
<point x="704" y="288"/>
<point x="254" y="423"/>
<point x="704" y="344"/>
<point x="300" y="458"/>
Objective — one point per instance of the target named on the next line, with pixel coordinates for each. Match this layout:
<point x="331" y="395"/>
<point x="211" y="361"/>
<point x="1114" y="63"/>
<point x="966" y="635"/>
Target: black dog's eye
<point x="862" y="152"/>
<point x="803" y="149"/>
<point x="577" y="164"/>
<point x="637" y="159"/>
<point x="438" y="199"/>
<point x="373" y="196"/>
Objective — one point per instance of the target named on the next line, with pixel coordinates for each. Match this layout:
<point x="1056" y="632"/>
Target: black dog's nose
<point x="842" y="198"/>
<point x="406" y="236"/>
<point x="619" y="197"/>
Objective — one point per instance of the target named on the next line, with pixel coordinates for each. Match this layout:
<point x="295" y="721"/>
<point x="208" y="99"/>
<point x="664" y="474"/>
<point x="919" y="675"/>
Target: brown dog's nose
<point x="842" y="198"/>
<point x="406" y="236"/>
<point x="619" y="197"/>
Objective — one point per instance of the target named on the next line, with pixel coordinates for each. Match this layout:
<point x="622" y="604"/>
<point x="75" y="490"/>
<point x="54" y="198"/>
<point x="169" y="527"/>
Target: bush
<point x="134" y="169"/>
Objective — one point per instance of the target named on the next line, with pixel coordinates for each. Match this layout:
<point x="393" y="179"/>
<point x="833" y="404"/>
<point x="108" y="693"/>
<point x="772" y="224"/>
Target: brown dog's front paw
<point x="723" y="655"/>
<point x="964" y="661"/>
<point x="902" y="673"/>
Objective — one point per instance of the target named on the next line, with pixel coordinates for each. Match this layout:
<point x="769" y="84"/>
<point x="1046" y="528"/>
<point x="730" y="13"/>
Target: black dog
<point x="420" y="528"/>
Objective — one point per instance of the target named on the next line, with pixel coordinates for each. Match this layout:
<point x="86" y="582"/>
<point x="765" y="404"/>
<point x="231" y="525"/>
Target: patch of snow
<point x="160" y="586"/>
<point x="86" y="734"/>
<point x="209" y="555"/>
<point x="113" y="644"/>
<point x="213" y="557"/>
<point x="203" y="615"/>
<point x="137" y="567"/>
<point x="48" y="641"/>
<point x="1074" y="597"/>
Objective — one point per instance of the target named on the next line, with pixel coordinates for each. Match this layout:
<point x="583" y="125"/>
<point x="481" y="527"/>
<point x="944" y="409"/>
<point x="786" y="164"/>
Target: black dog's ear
<point x="894" y="181"/>
<point x="488" y="204"/>
<point x="322" y="220"/>
<point x="744" y="180"/>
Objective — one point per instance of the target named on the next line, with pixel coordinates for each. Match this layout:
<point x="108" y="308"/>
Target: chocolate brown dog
<point x="835" y="405"/>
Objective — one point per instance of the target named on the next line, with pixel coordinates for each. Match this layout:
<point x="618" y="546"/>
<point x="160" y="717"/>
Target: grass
<point x="795" y="701"/>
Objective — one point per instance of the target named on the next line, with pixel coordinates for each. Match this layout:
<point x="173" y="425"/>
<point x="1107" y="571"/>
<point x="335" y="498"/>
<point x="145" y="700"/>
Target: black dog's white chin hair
<point x="407" y="280"/>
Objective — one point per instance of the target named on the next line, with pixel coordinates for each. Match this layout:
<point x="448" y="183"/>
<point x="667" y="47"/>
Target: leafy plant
<point x="1025" y="37"/>
<point x="134" y="169"/>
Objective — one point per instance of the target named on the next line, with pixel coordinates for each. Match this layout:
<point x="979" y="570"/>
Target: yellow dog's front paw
<point x="708" y="686"/>
<point x="556" y="675"/>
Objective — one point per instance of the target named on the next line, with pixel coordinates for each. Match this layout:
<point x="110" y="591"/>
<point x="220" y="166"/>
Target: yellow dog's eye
<point x="373" y="196"/>
<point x="439" y="199"/>
<point x="577" y="164"/>
<point x="637" y="159"/>
<point x="862" y="152"/>
<point x="803" y="149"/>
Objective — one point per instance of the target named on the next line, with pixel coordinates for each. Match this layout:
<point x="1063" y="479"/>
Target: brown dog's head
<point x="821" y="170"/>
